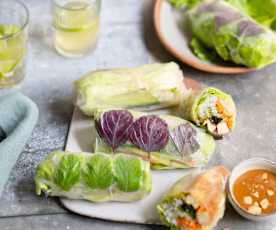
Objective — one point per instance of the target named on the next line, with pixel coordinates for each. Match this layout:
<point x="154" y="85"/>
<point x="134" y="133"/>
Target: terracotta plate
<point x="175" y="35"/>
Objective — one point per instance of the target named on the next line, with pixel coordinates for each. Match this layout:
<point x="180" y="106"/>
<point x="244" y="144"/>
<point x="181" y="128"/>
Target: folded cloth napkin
<point x="18" y="116"/>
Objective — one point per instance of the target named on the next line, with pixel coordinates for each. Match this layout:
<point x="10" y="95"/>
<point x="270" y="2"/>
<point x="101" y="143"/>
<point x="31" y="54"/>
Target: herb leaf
<point x="67" y="174"/>
<point x="184" y="138"/>
<point x="149" y="133"/>
<point x="128" y="173"/>
<point x="99" y="172"/>
<point x="113" y="127"/>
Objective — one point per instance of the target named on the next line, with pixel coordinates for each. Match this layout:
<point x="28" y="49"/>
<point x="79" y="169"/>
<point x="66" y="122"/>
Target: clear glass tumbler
<point x="14" y="20"/>
<point x="76" y="26"/>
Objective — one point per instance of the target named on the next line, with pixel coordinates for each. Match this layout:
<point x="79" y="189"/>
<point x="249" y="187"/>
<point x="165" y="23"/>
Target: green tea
<point x="12" y="50"/>
<point x="76" y="28"/>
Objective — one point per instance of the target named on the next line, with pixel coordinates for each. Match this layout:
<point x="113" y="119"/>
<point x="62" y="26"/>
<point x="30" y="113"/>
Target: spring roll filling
<point x="215" y="114"/>
<point x="182" y="212"/>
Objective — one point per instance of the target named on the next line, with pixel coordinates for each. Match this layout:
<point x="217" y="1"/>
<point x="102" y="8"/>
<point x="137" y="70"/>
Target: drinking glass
<point x="14" y="19"/>
<point x="76" y="26"/>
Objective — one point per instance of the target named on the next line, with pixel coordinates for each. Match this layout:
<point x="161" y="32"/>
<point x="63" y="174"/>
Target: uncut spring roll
<point x="235" y="36"/>
<point x="166" y="141"/>
<point x="196" y="201"/>
<point x="147" y="87"/>
<point x="210" y="108"/>
<point x="93" y="177"/>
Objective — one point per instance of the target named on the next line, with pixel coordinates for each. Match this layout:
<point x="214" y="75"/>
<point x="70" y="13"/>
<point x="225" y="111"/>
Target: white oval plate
<point x="175" y="36"/>
<point x="81" y="138"/>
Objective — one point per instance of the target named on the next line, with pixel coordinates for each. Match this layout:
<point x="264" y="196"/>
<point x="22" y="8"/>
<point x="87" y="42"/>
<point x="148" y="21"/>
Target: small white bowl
<point x="250" y="164"/>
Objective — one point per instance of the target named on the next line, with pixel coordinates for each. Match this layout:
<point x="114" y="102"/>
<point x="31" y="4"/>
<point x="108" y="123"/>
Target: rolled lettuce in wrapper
<point x="93" y="177"/>
<point x="147" y="87"/>
<point x="210" y="108"/>
<point x="196" y="201"/>
<point x="168" y="142"/>
<point x="235" y="36"/>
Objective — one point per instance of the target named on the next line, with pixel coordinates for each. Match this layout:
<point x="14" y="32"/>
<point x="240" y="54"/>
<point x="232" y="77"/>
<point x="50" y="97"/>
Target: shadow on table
<point x="151" y="40"/>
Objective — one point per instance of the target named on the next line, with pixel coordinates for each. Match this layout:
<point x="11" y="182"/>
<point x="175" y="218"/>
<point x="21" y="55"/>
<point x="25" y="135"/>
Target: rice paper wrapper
<point x="235" y="36"/>
<point x="171" y="156"/>
<point x="93" y="177"/>
<point x="205" y="190"/>
<point x="147" y="87"/>
<point x="191" y="107"/>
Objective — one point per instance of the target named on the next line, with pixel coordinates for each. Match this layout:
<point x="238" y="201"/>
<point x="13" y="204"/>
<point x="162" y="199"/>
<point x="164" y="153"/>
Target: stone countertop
<point x="127" y="39"/>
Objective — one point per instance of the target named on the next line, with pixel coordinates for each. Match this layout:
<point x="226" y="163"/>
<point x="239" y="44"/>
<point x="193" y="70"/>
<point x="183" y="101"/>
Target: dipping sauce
<point x="255" y="191"/>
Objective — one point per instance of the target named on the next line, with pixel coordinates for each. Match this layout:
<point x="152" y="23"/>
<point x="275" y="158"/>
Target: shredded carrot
<point x="230" y="122"/>
<point x="220" y="107"/>
<point x="189" y="225"/>
<point x="225" y="115"/>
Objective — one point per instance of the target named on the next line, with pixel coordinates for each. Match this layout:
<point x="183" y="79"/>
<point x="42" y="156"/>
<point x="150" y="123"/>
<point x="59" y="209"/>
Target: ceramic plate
<point x="173" y="32"/>
<point x="81" y="138"/>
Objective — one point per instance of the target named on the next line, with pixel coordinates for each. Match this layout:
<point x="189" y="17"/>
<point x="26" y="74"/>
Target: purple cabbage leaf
<point x="114" y="126"/>
<point x="149" y="133"/>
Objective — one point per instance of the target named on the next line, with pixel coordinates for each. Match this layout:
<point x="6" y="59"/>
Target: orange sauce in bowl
<point x="255" y="191"/>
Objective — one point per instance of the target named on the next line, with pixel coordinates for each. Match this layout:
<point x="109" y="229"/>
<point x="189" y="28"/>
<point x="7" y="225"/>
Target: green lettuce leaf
<point x="67" y="174"/>
<point x="128" y="173"/>
<point x="263" y="11"/>
<point x="203" y="52"/>
<point x="99" y="172"/>
<point x="183" y="3"/>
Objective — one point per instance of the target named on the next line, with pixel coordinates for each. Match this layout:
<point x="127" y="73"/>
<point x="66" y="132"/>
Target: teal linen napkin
<point x="18" y="116"/>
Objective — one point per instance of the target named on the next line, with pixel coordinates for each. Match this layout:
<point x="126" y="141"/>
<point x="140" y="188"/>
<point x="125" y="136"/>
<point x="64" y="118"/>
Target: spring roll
<point x="210" y="108"/>
<point x="166" y="141"/>
<point x="93" y="177"/>
<point x="147" y="87"/>
<point x="235" y="36"/>
<point x="195" y="202"/>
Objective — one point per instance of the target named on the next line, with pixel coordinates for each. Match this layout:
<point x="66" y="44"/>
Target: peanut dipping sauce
<point x="255" y="191"/>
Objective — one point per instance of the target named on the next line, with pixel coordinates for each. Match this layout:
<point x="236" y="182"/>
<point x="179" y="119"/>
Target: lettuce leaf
<point x="202" y="52"/>
<point x="263" y="11"/>
<point x="184" y="3"/>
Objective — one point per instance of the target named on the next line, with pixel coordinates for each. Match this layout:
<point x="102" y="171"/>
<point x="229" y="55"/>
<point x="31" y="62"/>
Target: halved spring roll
<point x="168" y="142"/>
<point x="93" y="177"/>
<point x="196" y="201"/>
<point x="210" y="108"/>
<point x="147" y="87"/>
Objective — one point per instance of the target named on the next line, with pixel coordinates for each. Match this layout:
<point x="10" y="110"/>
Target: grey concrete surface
<point x="127" y="39"/>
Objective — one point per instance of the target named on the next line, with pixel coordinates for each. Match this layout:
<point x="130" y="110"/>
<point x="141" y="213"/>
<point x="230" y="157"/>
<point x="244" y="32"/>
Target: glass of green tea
<point x="14" y="19"/>
<point x="76" y="26"/>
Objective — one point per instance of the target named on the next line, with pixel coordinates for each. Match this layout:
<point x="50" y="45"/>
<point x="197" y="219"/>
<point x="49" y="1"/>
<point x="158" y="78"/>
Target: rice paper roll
<point x="148" y="87"/>
<point x="166" y="141"/>
<point x="94" y="177"/>
<point x="235" y="36"/>
<point x="196" y="201"/>
<point x="210" y="108"/>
